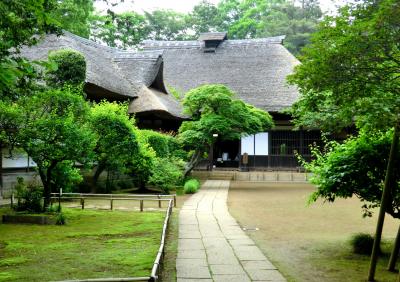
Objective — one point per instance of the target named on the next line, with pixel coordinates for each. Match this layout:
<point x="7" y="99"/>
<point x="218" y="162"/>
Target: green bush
<point x="71" y="68"/>
<point x="362" y="243"/>
<point x="164" y="145"/>
<point x="191" y="186"/>
<point x="167" y="173"/>
<point x="61" y="219"/>
<point x="29" y="197"/>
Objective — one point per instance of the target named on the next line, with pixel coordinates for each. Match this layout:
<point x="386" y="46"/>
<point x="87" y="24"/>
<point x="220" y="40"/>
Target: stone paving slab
<point x="211" y="244"/>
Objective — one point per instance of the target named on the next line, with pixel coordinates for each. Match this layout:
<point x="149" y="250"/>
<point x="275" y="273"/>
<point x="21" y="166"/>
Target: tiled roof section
<point x="218" y="36"/>
<point x="255" y="69"/>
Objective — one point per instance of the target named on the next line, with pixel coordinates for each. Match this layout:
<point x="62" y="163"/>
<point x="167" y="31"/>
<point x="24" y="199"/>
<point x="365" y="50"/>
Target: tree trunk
<point x="46" y="189"/>
<point x="100" y="168"/>
<point x="192" y="163"/>
<point x="385" y="201"/>
<point x="142" y="187"/>
<point x="395" y="253"/>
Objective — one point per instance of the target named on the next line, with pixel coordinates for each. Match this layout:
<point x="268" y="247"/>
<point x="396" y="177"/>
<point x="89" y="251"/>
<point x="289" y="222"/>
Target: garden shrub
<point x="29" y="196"/>
<point x="61" y="219"/>
<point x="191" y="186"/>
<point x="362" y="243"/>
<point x="71" y="68"/>
<point x="167" y="173"/>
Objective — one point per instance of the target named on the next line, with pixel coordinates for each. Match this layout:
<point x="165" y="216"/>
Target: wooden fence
<point x="114" y="197"/>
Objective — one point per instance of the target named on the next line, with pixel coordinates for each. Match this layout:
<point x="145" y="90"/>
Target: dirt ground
<point x="307" y="243"/>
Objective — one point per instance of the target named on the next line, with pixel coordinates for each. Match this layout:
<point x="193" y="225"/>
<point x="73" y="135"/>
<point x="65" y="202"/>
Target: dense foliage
<point x="70" y="68"/>
<point x="54" y="132"/>
<point x="240" y="18"/>
<point x="350" y="71"/>
<point x="356" y="167"/>
<point x="116" y="143"/>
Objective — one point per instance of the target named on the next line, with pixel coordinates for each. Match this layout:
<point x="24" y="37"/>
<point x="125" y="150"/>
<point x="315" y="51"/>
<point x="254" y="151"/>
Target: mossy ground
<point x="93" y="244"/>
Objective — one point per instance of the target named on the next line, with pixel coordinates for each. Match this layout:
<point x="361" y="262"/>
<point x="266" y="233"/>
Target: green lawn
<point x="93" y="244"/>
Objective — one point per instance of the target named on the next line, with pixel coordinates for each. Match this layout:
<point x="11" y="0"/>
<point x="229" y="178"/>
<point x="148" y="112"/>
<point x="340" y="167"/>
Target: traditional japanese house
<point x="256" y="69"/>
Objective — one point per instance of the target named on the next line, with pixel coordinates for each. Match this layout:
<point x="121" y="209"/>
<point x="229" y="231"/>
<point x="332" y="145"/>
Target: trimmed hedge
<point x="191" y="186"/>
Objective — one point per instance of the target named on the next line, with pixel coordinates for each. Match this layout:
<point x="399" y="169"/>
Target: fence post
<point x="59" y="199"/>
<point x="83" y="203"/>
<point x="159" y="202"/>
<point x="141" y="205"/>
<point x="111" y="203"/>
<point x="175" y="200"/>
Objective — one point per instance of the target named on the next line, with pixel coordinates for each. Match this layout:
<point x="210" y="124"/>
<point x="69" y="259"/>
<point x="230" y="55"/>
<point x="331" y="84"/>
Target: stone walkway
<point x="212" y="246"/>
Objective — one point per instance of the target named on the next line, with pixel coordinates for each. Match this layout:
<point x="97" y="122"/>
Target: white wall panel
<point x="247" y="145"/>
<point x="261" y="147"/>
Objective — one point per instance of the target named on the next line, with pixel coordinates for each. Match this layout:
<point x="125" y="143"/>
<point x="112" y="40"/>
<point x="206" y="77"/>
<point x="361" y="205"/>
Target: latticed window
<point x="285" y="142"/>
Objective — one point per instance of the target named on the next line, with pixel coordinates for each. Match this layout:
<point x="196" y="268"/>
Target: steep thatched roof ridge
<point x="113" y="73"/>
<point x="198" y="44"/>
<point x="255" y="69"/>
<point x="153" y="100"/>
<point x="101" y="72"/>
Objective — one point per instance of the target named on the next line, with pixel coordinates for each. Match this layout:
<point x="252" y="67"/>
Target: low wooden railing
<point x="156" y="269"/>
<point x="115" y="197"/>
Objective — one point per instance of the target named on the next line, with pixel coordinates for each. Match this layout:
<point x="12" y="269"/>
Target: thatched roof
<point x="255" y="69"/>
<point x="115" y="74"/>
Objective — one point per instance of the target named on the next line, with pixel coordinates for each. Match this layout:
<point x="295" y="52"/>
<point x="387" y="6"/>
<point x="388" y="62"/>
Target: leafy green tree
<point x="204" y="17"/>
<point x="70" y="68"/>
<point x="260" y="18"/>
<point x="350" y="76"/>
<point x="214" y="110"/>
<point x="167" y="173"/>
<point x="117" y="143"/>
<point x="20" y="22"/>
<point x="142" y="166"/>
<point x="356" y="167"/>
<point x="54" y="132"/>
<point x="74" y="16"/>
<point x="120" y="30"/>
<point x="167" y="25"/>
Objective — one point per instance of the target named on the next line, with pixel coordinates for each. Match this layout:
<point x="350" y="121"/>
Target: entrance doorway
<point x="226" y="154"/>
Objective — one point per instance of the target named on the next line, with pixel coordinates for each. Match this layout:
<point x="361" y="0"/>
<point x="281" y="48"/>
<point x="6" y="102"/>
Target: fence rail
<point x="156" y="269"/>
<point x="114" y="197"/>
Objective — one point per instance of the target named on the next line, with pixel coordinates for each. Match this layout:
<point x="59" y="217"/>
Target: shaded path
<point x="212" y="246"/>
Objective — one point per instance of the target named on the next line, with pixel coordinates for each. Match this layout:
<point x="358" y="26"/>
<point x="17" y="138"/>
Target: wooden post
<point x="83" y="203"/>
<point x="159" y="202"/>
<point x="12" y="200"/>
<point x="59" y="199"/>
<point x="141" y="205"/>
<point x="175" y="201"/>
<point x="111" y="204"/>
<point x="395" y="252"/>
<point x="387" y="189"/>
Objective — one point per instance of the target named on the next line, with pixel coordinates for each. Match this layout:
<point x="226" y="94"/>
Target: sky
<point x="185" y="6"/>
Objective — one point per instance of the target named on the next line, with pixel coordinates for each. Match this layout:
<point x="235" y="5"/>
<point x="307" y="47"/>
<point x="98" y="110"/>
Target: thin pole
<point x="384" y="203"/>
<point x="395" y="252"/>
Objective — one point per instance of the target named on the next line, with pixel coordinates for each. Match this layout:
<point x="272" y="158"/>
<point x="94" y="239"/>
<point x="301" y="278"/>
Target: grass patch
<point x="94" y="244"/>
<point x="309" y="243"/>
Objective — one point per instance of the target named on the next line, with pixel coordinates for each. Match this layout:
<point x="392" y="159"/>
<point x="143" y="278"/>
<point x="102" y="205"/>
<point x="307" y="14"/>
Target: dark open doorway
<point x="226" y="154"/>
